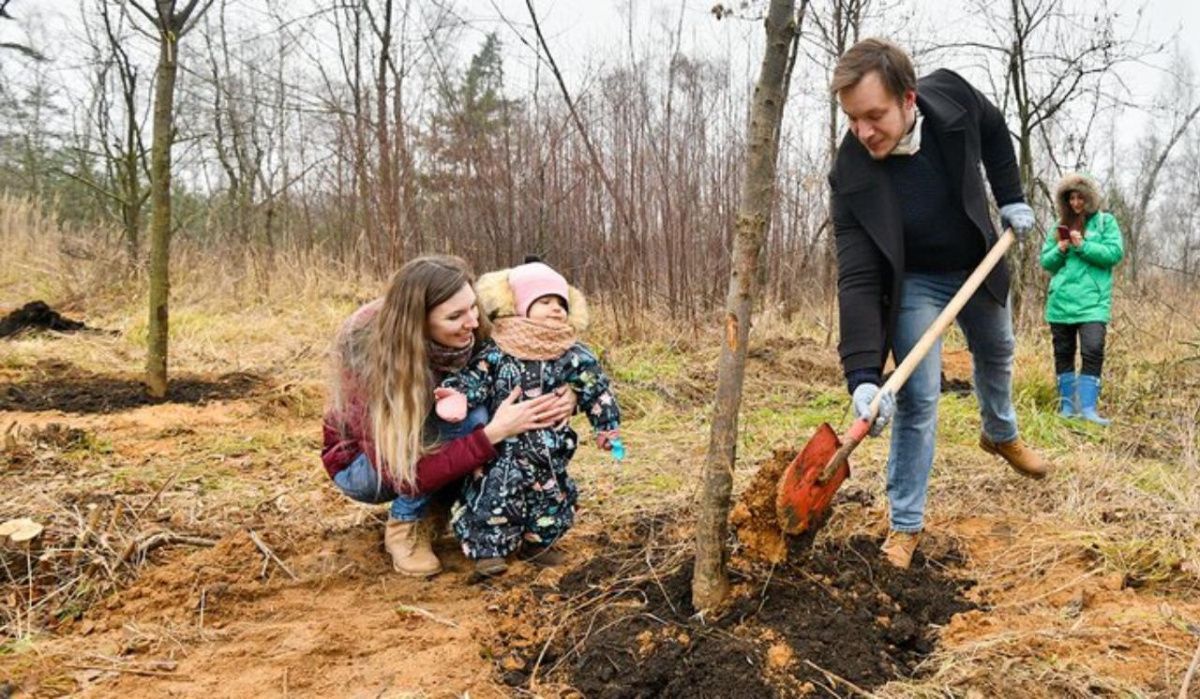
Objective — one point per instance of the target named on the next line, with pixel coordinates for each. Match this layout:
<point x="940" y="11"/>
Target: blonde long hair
<point x="387" y="358"/>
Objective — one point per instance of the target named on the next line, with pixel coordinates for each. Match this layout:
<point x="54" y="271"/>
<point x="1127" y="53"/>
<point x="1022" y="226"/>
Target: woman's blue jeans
<point x="987" y="326"/>
<point x="360" y="481"/>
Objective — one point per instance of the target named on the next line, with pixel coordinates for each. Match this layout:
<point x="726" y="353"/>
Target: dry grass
<point x="1124" y="501"/>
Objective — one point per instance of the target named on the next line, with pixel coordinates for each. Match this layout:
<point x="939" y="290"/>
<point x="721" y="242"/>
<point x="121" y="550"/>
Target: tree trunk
<point x="160" y="219"/>
<point x="710" y="583"/>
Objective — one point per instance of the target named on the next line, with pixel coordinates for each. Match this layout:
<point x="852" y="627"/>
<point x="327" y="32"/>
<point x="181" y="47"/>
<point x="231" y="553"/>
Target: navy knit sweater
<point x="938" y="236"/>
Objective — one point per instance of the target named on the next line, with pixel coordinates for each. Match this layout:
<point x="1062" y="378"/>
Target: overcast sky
<point x="585" y="34"/>
<point x="588" y="36"/>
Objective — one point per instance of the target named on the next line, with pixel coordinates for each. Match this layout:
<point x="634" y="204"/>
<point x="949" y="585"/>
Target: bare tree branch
<point x="21" y="48"/>
<point x="151" y="17"/>
<point x="593" y="154"/>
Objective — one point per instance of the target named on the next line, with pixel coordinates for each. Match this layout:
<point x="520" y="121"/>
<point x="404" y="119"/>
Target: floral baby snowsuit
<point x="526" y="493"/>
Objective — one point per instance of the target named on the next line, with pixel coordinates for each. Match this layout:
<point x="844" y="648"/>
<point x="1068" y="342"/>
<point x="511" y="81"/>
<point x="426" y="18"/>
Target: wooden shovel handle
<point x="944" y="319"/>
<point x="858" y="431"/>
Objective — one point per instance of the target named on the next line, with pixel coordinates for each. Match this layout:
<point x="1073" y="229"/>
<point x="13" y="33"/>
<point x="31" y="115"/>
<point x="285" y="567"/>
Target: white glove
<point x="863" y="395"/>
<point x="1017" y="216"/>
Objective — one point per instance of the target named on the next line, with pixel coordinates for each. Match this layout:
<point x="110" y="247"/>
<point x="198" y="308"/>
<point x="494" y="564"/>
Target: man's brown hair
<point x="894" y="66"/>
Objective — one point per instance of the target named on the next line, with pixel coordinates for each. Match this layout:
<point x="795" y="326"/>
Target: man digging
<point x="911" y="219"/>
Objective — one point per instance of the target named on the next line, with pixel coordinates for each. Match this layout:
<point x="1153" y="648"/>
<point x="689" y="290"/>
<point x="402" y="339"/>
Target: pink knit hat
<point x="533" y="280"/>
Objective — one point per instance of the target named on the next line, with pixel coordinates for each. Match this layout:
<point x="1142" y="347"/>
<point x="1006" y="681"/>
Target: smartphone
<point x="1064" y="233"/>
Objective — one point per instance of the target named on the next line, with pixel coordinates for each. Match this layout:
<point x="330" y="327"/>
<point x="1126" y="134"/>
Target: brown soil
<point x="795" y="358"/>
<point x="960" y="387"/>
<point x="63" y="387"/>
<point x="210" y="623"/>
<point x="195" y="621"/>
<point x="36" y="315"/>
<point x="224" y="620"/>
<point x="754" y="519"/>
<point x="957" y="372"/>
<point x="624" y="625"/>
<point x="251" y="633"/>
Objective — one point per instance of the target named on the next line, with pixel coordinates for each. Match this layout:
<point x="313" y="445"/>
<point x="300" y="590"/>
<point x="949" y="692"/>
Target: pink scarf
<point x="530" y="339"/>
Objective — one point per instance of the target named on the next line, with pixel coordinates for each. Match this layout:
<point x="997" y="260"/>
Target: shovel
<point x="807" y="486"/>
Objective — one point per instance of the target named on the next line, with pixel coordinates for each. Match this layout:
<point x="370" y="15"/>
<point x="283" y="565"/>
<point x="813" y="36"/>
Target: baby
<point x="525" y="499"/>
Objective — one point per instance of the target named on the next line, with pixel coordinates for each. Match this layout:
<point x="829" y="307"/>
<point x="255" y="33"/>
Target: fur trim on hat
<point x="1085" y="185"/>
<point x="496" y="298"/>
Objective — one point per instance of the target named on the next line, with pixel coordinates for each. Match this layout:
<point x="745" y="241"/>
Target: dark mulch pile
<point x="61" y="386"/>
<point x="831" y="610"/>
<point x="961" y="387"/>
<point x="39" y="316"/>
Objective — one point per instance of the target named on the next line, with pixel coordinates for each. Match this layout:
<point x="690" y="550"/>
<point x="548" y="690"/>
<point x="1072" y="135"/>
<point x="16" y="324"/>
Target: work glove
<point x="451" y="405"/>
<point x="863" y="395"/>
<point x="1017" y="216"/>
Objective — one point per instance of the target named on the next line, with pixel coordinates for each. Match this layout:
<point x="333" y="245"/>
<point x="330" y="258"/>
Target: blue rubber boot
<point x="1089" y="393"/>
<point x="1066" y="395"/>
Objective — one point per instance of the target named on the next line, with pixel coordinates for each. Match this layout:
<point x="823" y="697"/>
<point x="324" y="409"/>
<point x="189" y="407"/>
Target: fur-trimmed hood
<point x="1085" y="185"/>
<point x="497" y="300"/>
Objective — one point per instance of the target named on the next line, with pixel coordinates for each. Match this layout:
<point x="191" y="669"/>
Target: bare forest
<point x="361" y="134"/>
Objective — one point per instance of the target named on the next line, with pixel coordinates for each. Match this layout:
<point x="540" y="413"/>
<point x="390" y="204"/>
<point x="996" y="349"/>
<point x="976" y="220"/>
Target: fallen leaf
<point x="20" y="530"/>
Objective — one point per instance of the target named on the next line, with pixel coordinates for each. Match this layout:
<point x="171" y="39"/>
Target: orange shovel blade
<point x="802" y="501"/>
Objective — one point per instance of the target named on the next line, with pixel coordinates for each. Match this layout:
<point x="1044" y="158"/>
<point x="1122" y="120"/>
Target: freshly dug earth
<point x="625" y="627"/>
<point x="60" y="386"/>
<point x="754" y="518"/>
<point x="37" y="315"/>
<point x="961" y="387"/>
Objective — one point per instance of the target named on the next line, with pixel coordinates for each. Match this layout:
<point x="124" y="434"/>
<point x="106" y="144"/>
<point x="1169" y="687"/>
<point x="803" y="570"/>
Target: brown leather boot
<point x="1025" y="460"/>
<point x="411" y="547"/>
<point x="899" y="548"/>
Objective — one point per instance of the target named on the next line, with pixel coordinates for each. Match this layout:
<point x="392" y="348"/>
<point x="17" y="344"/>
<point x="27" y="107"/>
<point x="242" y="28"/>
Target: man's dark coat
<point x="867" y="219"/>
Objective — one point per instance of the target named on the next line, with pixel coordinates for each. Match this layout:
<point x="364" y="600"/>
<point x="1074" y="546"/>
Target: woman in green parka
<point x="1080" y="252"/>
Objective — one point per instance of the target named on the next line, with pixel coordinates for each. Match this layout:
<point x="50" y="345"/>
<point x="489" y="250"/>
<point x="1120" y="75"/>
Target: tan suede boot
<point x="411" y="547"/>
<point x="1025" y="460"/>
<point x="899" y="547"/>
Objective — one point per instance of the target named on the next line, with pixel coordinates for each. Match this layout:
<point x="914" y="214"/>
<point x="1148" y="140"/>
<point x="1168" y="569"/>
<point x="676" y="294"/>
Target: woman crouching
<point x="382" y="442"/>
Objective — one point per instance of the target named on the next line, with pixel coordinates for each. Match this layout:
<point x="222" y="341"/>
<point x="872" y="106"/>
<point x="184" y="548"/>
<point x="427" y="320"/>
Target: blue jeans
<point x="987" y="326"/>
<point x="360" y="481"/>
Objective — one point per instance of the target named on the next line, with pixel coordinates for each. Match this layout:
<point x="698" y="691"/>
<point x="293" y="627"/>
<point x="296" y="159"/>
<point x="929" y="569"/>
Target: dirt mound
<point x="755" y="521"/>
<point x="61" y="386"/>
<point x="754" y="518"/>
<point x="795" y="358"/>
<point x="960" y="387"/>
<point x="658" y="653"/>
<point x="845" y="612"/>
<point x="624" y="625"/>
<point x="39" y="316"/>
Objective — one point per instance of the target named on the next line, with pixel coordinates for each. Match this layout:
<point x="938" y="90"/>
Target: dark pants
<point x="1091" y="346"/>
<point x="525" y="496"/>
